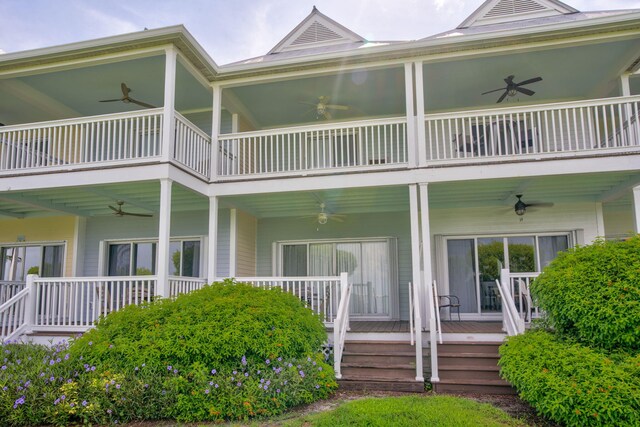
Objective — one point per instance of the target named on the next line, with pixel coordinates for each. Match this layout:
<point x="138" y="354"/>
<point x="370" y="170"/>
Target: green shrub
<point x="592" y="293"/>
<point x="573" y="384"/>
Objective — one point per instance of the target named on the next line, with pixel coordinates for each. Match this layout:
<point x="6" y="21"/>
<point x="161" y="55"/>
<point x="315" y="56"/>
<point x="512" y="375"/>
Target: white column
<point x="600" y="231"/>
<point x="164" y="236"/>
<point x="415" y="235"/>
<point x="625" y="89"/>
<point x="213" y="239"/>
<point x="426" y="247"/>
<point x="411" y="119"/>
<point x="233" y="242"/>
<point x="420" y="129"/>
<point x="636" y="208"/>
<point x="169" y="125"/>
<point x="215" y="129"/>
<point x="79" y="233"/>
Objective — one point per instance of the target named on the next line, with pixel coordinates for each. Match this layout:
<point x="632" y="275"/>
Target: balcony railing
<point x="364" y="144"/>
<point x="192" y="147"/>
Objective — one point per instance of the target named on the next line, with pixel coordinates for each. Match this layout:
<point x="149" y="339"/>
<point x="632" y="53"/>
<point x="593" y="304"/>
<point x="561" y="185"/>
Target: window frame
<point x="41" y="245"/>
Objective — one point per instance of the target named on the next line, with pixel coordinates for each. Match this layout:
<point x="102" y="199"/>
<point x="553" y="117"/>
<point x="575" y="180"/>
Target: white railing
<point x="76" y="303"/>
<point x="320" y="293"/>
<point x="14" y="315"/>
<point x="568" y="127"/>
<point x="184" y="285"/>
<point x="435" y="329"/>
<point x="9" y="288"/>
<point x="192" y="147"/>
<point x="416" y="328"/>
<point x="512" y="323"/>
<point x="112" y="137"/>
<point x="365" y="144"/>
<point x="341" y="324"/>
<point x="519" y="286"/>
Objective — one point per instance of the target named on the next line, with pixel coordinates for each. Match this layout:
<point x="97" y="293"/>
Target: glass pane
<point x="549" y="248"/>
<point x="191" y="259"/>
<point x="144" y="259"/>
<point x="349" y="260"/>
<point x="462" y="283"/>
<point x="13" y="263"/>
<point x="294" y="260"/>
<point x="32" y="258"/>
<point x="522" y="257"/>
<point x="52" y="261"/>
<point x="321" y="259"/>
<point x="376" y="276"/>
<point x="120" y="260"/>
<point x="175" y="255"/>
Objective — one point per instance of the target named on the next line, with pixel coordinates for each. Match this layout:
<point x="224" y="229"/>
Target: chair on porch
<point x="452" y="302"/>
<point x="471" y="144"/>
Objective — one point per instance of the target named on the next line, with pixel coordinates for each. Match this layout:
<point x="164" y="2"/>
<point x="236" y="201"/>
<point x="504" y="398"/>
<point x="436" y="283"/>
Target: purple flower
<point x="235" y="372"/>
<point x="277" y="390"/>
<point x="261" y="380"/>
<point x="320" y="368"/>
<point x="267" y="361"/>
<point x="71" y="405"/>
<point x="239" y="384"/>
<point x="55" y="402"/>
<point x="210" y="382"/>
<point x="266" y="387"/>
<point x="109" y="411"/>
<point x="63" y="397"/>
<point x="84" y="403"/>
<point x="215" y="385"/>
<point x="4" y="367"/>
<point x="52" y="362"/>
<point x="246" y="374"/>
<point x="175" y="371"/>
<point x="206" y="391"/>
<point x="289" y="365"/>
<point x="213" y="372"/>
<point x="136" y="369"/>
<point x="279" y="359"/>
<point x="146" y="386"/>
<point x="93" y="368"/>
<point x="144" y="364"/>
<point x="301" y="374"/>
<point x="118" y="386"/>
<point x="52" y="379"/>
<point x="169" y="368"/>
<point x="268" y="382"/>
<point x="90" y="342"/>
<point x="66" y="356"/>
<point x="244" y="361"/>
<point x="317" y="386"/>
<point x="19" y="401"/>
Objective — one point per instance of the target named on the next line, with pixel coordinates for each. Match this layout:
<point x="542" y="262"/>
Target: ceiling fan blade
<point x="504" y="95"/>
<point x="525" y="90"/>
<point x="336" y="218"/>
<point x="495" y="90"/>
<point x="125" y="90"/>
<point x="509" y="80"/>
<point x="540" y="205"/>
<point x="114" y="209"/>
<point x="136" y="214"/>
<point x="327" y="115"/>
<point x="337" y="107"/>
<point x="142" y="104"/>
<point x="526" y="82"/>
<point x="308" y="103"/>
<point x="110" y="100"/>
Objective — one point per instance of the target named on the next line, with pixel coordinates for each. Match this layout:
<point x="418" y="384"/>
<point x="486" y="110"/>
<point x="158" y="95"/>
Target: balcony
<point x="120" y="139"/>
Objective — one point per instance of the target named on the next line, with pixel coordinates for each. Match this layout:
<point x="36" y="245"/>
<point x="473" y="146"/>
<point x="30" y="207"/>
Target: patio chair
<point x="471" y="144"/>
<point x="452" y="302"/>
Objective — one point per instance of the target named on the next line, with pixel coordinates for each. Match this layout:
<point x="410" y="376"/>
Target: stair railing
<point x="341" y="323"/>
<point x="417" y="330"/>
<point x="513" y="324"/>
<point x="433" y="330"/>
<point x="16" y="314"/>
<point x="436" y="300"/>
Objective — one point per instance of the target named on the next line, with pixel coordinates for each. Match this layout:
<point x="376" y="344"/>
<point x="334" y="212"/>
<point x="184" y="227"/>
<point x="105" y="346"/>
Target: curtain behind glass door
<point x="462" y="282"/>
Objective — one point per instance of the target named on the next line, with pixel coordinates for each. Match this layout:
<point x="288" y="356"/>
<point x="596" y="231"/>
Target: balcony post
<point x="30" y="309"/>
<point x="213" y="239"/>
<point x="164" y="236"/>
<point x="420" y="125"/>
<point x="215" y="131"/>
<point x="636" y="208"/>
<point x="168" y="123"/>
<point x="411" y="118"/>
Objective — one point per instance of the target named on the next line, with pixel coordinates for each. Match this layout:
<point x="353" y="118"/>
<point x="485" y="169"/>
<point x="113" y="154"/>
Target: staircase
<point x="380" y="365"/>
<point x="470" y="367"/>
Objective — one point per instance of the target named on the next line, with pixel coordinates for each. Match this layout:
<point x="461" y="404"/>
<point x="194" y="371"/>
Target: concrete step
<point x="474" y="386"/>
<point x="409" y="386"/>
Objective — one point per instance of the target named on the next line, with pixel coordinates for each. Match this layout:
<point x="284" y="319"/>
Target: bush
<point x="592" y="293"/>
<point x="225" y="352"/>
<point x="573" y="384"/>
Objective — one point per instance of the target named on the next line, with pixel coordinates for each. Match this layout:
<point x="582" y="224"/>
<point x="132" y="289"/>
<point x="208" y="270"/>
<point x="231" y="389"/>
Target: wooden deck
<point x="463" y="327"/>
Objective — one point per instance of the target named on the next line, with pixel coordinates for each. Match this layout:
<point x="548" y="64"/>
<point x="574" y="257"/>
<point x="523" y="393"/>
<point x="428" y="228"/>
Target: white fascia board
<point x="558" y="167"/>
<point x="455" y="43"/>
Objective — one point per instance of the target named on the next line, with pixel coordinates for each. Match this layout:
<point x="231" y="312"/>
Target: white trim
<point x="233" y="242"/>
<point x="41" y="245"/>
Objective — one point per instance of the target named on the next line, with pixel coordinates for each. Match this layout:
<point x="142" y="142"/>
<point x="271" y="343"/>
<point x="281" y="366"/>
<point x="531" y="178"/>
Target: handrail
<point x="513" y="323"/>
<point x="80" y="120"/>
<point x="411" y="331"/>
<point x="434" y="327"/>
<point x="418" y="332"/>
<point x="14" y="315"/>
<point x="437" y="310"/>
<point x="341" y="324"/>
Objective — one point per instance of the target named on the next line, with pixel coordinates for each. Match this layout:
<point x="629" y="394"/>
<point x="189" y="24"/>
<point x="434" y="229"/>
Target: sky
<point x="232" y="30"/>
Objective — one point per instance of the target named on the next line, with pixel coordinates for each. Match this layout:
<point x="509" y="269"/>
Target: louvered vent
<point x="316" y="33"/>
<point x="513" y="7"/>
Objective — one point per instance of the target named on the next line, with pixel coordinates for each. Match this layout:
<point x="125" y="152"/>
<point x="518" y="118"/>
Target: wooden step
<point x="466" y="359"/>
<point x="366" y="358"/>
<point x="365" y="373"/>
<point x="382" y="385"/>
<point x="474" y="386"/>
<point x="379" y="347"/>
<point x="469" y="347"/>
<point x="470" y="372"/>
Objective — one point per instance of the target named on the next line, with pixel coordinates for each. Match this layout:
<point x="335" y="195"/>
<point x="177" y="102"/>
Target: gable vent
<point x="316" y="33"/>
<point x="513" y="7"/>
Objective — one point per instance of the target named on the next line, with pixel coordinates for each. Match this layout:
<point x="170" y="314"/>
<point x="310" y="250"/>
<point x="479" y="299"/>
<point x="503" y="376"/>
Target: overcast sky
<point x="231" y="30"/>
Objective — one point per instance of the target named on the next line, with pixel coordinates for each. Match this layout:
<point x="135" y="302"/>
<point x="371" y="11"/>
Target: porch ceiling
<point x="139" y="197"/>
<point x="569" y="73"/>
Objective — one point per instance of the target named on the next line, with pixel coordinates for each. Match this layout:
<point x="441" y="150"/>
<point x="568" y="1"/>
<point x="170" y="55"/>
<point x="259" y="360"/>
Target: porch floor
<point x="447" y="327"/>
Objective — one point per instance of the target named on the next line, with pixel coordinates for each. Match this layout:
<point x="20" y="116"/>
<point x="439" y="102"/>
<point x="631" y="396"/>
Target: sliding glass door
<point x="474" y="264"/>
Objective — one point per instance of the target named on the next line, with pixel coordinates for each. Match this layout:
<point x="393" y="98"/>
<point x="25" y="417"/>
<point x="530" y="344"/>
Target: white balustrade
<point x="435" y="328"/>
<point x="112" y="137"/>
<point x="14" y="315"/>
<point x="192" y="147"/>
<point x="341" y="324"/>
<point x="364" y="144"/>
<point x="567" y="128"/>
<point x="184" y="285"/>
<point x="9" y="288"/>
<point x="519" y="286"/>
<point x="76" y="303"/>
<point x="414" y="297"/>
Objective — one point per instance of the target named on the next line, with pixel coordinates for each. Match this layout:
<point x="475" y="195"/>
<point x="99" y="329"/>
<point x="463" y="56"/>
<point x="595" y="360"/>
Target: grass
<point x="409" y="411"/>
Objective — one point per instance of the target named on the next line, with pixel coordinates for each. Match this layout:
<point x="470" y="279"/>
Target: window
<point x="44" y="260"/>
<point x="140" y="258"/>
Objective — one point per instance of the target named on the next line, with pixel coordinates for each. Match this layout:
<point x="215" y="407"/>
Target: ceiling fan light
<point x="520" y="210"/>
<point x="322" y="218"/>
<point x="512" y="92"/>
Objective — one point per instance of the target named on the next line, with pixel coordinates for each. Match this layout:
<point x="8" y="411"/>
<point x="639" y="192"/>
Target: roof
<point x="496" y="11"/>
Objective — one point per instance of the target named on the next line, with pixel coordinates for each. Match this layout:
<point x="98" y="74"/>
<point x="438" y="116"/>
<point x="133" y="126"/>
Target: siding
<point x="47" y="229"/>
<point x="618" y="220"/>
<point x="193" y="223"/>
<point x="247" y="227"/>
<point x="389" y="224"/>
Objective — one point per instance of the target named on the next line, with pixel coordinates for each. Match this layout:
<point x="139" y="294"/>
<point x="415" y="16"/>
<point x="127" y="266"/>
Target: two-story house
<point x="407" y="191"/>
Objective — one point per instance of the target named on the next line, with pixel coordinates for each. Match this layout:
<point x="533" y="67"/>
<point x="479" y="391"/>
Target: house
<point x="407" y="191"/>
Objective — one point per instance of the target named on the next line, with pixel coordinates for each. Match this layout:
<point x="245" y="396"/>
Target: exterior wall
<point x="389" y="224"/>
<point x="247" y="228"/>
<point x="55" y="228"/>
<point x="618" y="220"/>
<point x="183" y="224"/>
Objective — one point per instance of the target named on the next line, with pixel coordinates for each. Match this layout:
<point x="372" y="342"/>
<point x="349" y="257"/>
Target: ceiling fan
<point x="324" y="216"/>
<point x="520" y="207"/>
<point x="127" y="99"/>
<point x="322" y="107"/>
<point x="513" y="88"/>
<point x="119" y="212"/>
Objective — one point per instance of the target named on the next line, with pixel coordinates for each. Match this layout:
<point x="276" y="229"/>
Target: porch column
<point x="415" y="235"/>
<point x="215" y="130"/>
<point x="213" y="239"/>
<point x="168" y="124"/>
<point x="233" y="242"/>
<point x="420" y="127"/>
<point x="636" y="208"/>
<point x="426" y="247"/>
<point x="164" y="235"/>
<point x="411" y="119"/>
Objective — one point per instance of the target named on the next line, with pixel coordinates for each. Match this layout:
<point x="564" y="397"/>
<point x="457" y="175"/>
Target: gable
<point x="498" y="11"/>
<point x="316" y="30"/>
